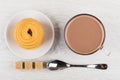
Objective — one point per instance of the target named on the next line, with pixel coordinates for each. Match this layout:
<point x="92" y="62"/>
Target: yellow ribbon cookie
<point x="29" y="33"/>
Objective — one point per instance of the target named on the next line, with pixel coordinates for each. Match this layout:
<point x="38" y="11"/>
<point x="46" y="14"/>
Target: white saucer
<point x="37" y="52"/>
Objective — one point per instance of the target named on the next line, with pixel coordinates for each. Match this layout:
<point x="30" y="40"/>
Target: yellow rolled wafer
<point x="28" y="65"/>
<point x="39" y="65"/>
<point x="19" y="65"/>
<point x="29" y="33"/>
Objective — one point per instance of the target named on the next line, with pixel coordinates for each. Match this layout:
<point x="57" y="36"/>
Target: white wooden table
<point x="60" y="11"/>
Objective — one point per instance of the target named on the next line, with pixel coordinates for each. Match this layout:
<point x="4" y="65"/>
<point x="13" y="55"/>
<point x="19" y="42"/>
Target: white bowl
<point x="33" y="53"/>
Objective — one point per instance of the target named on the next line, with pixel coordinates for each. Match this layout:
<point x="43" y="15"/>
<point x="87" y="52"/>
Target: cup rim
<point x="101" y="46"/>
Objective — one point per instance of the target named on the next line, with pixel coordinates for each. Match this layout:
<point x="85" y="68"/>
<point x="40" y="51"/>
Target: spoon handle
<point x="94" y="66"/>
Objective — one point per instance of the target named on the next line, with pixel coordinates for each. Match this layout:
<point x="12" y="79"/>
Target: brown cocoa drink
<point x="84" y="34"/>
